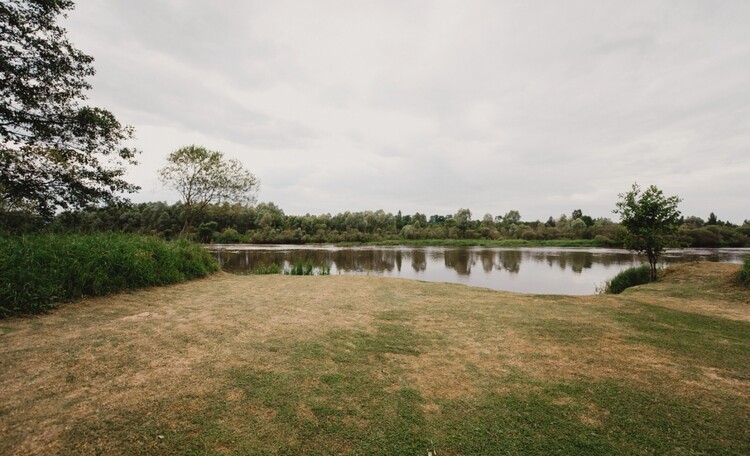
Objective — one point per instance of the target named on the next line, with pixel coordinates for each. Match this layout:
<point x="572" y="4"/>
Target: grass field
<point x="366" y="365"/>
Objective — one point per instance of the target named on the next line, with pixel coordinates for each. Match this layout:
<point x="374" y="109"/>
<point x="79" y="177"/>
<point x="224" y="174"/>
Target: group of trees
<point x="267" y="223"/>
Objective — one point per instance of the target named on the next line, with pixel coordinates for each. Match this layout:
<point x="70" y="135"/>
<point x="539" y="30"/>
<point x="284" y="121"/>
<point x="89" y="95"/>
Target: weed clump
<point x="38" y="272"/>
<point x="628" y="278"/>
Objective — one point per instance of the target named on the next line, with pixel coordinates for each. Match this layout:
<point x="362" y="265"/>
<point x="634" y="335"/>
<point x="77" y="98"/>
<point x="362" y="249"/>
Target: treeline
<point x="267" y="223"/>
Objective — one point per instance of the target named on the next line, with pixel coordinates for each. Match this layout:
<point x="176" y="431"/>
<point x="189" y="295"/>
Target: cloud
<point x="431" y="106"/>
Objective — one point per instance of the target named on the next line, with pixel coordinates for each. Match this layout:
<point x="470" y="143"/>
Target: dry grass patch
<point x="314" y="365"/>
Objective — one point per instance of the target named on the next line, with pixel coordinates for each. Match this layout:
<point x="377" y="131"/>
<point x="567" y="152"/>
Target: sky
<point x="430" y="106"/>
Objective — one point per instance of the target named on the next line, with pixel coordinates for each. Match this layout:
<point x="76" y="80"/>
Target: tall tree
<point x="204" y="177"/>
<point x="55" y="152"/>
<point x="651" y="219"/>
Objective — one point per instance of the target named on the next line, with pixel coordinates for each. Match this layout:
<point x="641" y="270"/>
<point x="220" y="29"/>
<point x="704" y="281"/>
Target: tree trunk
<point x="652" y="263"/>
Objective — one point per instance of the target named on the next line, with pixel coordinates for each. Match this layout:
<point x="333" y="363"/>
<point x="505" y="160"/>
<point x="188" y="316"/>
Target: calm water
<point x="570" y="271"/>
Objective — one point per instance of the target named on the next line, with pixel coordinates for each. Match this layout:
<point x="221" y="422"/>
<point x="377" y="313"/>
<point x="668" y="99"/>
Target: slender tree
<point x="204" y="177"/>
<point x="651" y="220"/>
<point x="55" y="152"/>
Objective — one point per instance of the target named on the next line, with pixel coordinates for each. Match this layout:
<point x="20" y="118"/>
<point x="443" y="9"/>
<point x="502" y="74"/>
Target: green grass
<point x="39" y="271"/>
<point x="744" y="274"/>
<point x="628" y="278"/>
<point x="711" y="341"/>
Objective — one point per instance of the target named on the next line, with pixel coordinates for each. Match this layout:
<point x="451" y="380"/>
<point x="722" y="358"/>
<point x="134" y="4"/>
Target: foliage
<point x="202" y="177"/>
<point x="37" y="272"/>
<point x="55" y="152"/>
<point x="267" y="223"/>
<point x="265" y="270"/>
<point x="714" y="236"/>
<point x="307" y="268"/>
<point x="744" y="274"/>
<point x="628" y="278"/>
<point x="651" y="220"/>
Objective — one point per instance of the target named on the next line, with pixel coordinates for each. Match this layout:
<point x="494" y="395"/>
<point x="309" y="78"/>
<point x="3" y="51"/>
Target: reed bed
<point x="38" y="272"/>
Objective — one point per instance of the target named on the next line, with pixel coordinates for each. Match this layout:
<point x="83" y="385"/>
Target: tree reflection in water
<point x="544" y="269"/>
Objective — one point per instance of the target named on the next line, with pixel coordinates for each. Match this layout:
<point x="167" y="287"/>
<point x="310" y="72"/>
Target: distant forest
<point x="267" y="223"/>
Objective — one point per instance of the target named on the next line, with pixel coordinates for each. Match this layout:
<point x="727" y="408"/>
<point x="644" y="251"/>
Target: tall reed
<point x="37" y="272"/>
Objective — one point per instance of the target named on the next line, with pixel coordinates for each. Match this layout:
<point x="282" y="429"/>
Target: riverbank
<point x="366" y="365"/>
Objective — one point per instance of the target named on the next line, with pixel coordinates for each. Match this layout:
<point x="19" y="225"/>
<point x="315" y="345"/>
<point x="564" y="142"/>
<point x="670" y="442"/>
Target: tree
<point x="511" y="218"/>
<point x="650" y="219"/>
<point x="463" y="221"/>
<point x="203" y="177"/>
<point x="55" y="152"/>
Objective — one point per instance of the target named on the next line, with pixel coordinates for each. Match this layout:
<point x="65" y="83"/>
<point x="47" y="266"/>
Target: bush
<point x="745" y="273"/>
<point x="38" y="272"/>
<point x="628" y="278"/>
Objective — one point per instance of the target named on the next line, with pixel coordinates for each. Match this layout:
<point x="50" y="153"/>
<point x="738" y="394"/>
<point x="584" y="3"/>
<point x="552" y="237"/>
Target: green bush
<point x="745" y="273"/>
<point x="38" y="272"/>
<point x="628" y="278"/>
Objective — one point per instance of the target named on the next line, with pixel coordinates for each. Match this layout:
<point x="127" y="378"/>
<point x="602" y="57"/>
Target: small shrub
<point x="228" y="236"/>
<point x="628" y="278"/>
<point x="744" y="274"/>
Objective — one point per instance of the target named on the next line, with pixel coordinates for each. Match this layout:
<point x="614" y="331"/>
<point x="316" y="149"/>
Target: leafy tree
<point x="578" y="226"/>
<point x="712" y="220"/>
<point x="55" y="152"/>
<point x="203" y="177"/>
<point x="650" y="219"/>
<point x="513" y="217"/>
<point x="463" y="221"/>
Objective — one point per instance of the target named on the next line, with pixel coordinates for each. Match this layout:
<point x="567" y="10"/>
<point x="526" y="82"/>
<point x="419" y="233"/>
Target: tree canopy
<point x="203" y="177"/>
<point x="55" y="152"/>
<point x="651" y="219"/>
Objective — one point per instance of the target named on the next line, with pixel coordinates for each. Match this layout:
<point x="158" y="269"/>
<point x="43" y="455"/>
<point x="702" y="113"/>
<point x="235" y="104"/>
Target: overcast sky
<point x="432" y="106"/>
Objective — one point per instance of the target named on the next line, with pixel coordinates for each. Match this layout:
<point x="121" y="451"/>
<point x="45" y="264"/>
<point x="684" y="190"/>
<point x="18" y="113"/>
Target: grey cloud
<point x="431" y="106"/>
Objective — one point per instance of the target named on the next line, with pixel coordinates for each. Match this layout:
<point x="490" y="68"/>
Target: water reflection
<point x="530" y="270"/>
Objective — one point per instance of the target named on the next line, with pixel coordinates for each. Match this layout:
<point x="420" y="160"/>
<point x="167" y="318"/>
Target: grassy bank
<point x="364" y="365"/>
<point x="38" y="272"/>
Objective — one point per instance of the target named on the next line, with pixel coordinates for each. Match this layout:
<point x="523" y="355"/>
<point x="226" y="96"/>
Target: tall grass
<point x="307" y="268"/>
<point x="38" y="272"/>
<point x="628" y="278"/>
<point x="745" y="273"/>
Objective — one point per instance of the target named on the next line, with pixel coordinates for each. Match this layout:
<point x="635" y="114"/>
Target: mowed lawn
<point x="367" y="365"/>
